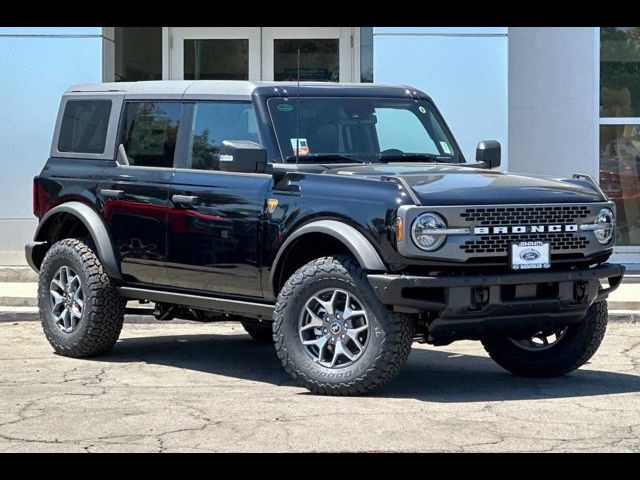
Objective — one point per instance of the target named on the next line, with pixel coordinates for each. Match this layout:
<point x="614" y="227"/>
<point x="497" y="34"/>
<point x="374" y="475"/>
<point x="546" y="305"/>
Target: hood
<point x="452" y="185"/>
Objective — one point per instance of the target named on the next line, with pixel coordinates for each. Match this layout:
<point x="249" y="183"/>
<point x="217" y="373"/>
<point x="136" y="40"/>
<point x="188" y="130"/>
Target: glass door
<point x="326" y="53"/>
<point x="212" y="53"/>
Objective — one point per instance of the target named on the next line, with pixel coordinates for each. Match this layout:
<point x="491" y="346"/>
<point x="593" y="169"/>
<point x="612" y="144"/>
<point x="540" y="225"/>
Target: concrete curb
<point x="18" y="274"/>
<point x="19" y="301"/>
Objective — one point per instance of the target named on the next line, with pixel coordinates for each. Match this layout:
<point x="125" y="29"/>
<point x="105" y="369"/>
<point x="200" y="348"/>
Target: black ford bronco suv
<point x="339" y="221"/>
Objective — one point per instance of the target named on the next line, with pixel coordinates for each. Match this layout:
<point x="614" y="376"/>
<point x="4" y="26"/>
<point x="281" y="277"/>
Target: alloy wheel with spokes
<point x="81" y="310"/>
<point x="541" y="340"/>
<point x="334" y="328"/>
<point x="66" y="298"/>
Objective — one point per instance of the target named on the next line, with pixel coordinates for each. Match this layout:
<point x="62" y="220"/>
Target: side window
<point x="149" y="133"/>
<point x="214" y="122"/>
<point x="400" y="129"/>
<point x="84" y="126"/>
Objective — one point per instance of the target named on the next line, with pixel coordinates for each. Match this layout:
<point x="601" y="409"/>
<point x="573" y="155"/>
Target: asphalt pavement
<point x="169" y="387"/>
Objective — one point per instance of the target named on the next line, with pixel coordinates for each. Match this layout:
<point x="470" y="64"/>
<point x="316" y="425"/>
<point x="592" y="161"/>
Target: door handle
<point x="184" y="199"/>
<point x="112" y="193"/>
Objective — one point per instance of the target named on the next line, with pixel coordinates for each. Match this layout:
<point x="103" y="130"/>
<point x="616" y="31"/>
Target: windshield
<point x="356" y="130"/>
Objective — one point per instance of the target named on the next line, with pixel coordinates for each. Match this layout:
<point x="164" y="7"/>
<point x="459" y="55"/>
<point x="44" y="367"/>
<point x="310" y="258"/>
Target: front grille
<point x="507" y="216"/>
<point x="499" y="244"/>
<point x="491" y="246"/>
<point x="517" y="216"/>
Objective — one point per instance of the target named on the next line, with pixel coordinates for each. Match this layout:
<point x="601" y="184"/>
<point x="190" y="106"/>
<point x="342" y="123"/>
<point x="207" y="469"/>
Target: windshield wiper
<point x="322" y="158"/>
<point x="412" y="157"/>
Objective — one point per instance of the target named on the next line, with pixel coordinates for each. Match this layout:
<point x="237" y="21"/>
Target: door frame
<point x="261" y="47"/>
<point x="173" y="49"/>
<point x="343" y="34"/>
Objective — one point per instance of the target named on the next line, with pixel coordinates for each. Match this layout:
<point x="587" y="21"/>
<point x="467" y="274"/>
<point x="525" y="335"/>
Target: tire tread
<point x="395" y="347"/>
<point x="104" y="307"/>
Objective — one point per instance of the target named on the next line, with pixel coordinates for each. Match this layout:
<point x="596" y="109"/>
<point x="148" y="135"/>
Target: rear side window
<point x="214" y="122"/>
<point x="149" y="133"/>
<point x="84" y="126"/>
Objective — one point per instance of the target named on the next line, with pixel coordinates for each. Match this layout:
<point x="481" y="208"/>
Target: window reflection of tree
<point x="620" y="71"/>
<point x="205" y="154"/>
<point x="152" y="132"/>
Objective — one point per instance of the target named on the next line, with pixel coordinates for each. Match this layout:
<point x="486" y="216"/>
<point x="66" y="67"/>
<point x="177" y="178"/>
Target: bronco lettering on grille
<point x="525" y="229"/>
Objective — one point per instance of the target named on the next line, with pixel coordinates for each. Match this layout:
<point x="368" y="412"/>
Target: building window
<point x="216" y="59"/>
<point x="138" y="53"/>
<point x="620" y="127"/>
<point x="319" y="60"/>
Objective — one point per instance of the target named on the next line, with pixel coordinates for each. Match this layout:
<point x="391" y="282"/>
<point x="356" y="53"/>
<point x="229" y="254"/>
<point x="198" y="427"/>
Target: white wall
<point x="37" y="65"/>
<point x="464" y="70"/>
<point x="553" y="100"/>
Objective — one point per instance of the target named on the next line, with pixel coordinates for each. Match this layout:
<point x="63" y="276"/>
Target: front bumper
<point x="470" y="306"/>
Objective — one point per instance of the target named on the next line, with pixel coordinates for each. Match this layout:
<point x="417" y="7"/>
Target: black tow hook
<point x="479" y="298"/>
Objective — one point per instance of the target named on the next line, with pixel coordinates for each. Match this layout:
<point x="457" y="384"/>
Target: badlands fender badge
<point x="272" y="203"/>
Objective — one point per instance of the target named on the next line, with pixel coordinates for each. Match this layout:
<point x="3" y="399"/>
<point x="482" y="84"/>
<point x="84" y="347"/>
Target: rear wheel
<point x="332" y="334"/>
<point x="80" y="309"/>
<point x="552" y="352"/>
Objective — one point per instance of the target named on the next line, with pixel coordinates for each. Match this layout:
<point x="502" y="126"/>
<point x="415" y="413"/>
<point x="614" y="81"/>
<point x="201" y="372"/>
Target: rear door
<point x="136" y="196"/>
<point x="215" y="218"/>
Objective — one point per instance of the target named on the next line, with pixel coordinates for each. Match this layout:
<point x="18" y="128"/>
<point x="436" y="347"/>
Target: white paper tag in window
<point x="301" y="144"/>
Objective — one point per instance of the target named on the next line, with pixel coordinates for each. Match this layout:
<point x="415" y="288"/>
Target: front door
<point x="215" y="218"/>
<point x="327" y="54"/>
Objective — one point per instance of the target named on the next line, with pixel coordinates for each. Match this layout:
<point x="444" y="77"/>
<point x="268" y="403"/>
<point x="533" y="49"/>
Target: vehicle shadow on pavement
<point x="438" y="375"/>
<point x="434" y="375"/>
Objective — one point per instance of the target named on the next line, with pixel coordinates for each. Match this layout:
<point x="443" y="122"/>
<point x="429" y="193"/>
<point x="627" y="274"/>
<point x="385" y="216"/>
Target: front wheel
<point x="553" y="352"/>
<point x="333" y="335"/>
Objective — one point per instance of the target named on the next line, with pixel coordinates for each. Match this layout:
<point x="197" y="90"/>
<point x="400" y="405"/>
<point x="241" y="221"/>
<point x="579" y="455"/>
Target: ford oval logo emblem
<point x="529" y="255"/>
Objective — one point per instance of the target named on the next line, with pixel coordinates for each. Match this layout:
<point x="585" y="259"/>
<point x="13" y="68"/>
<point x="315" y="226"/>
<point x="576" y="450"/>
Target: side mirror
<point x="242" y="156"/>
<point x="488" y="152"/>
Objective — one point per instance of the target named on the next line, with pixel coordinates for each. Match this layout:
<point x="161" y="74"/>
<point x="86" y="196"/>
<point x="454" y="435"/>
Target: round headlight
<point x="423" y="233"/>
<point x="605" y="234"/>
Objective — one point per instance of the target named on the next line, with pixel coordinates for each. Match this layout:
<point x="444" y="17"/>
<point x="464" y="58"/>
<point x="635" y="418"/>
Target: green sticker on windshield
<point x="285" y="107"/>
<point x="422" y="109"/>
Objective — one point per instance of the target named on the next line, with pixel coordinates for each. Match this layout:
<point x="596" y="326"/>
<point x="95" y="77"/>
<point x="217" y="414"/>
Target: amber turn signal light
<point x="399" y="229"/>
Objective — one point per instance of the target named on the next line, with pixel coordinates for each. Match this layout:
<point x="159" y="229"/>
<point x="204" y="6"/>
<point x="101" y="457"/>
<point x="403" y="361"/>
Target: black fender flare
<point x="96" y="228"/>
<point x="356" y="242"/>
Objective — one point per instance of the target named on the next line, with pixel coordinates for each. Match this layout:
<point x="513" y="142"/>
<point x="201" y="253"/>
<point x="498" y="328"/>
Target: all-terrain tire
<point x="573" y="350"/>
<point x="389" y="345"/>
<point x="263" y="332"/>
<point x="103" y="312"/>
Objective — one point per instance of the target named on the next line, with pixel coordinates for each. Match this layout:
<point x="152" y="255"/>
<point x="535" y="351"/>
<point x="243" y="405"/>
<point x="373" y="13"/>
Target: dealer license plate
<point x="530" y="255"/>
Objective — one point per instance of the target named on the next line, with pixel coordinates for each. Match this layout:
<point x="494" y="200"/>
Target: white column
<point x="553" y="100"/>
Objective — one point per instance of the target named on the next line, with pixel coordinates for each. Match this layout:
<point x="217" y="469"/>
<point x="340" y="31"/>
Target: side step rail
<point x="200" y="302"/>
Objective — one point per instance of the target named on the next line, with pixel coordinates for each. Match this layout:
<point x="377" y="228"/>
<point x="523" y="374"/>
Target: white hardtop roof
<point x="186" y="89"/>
